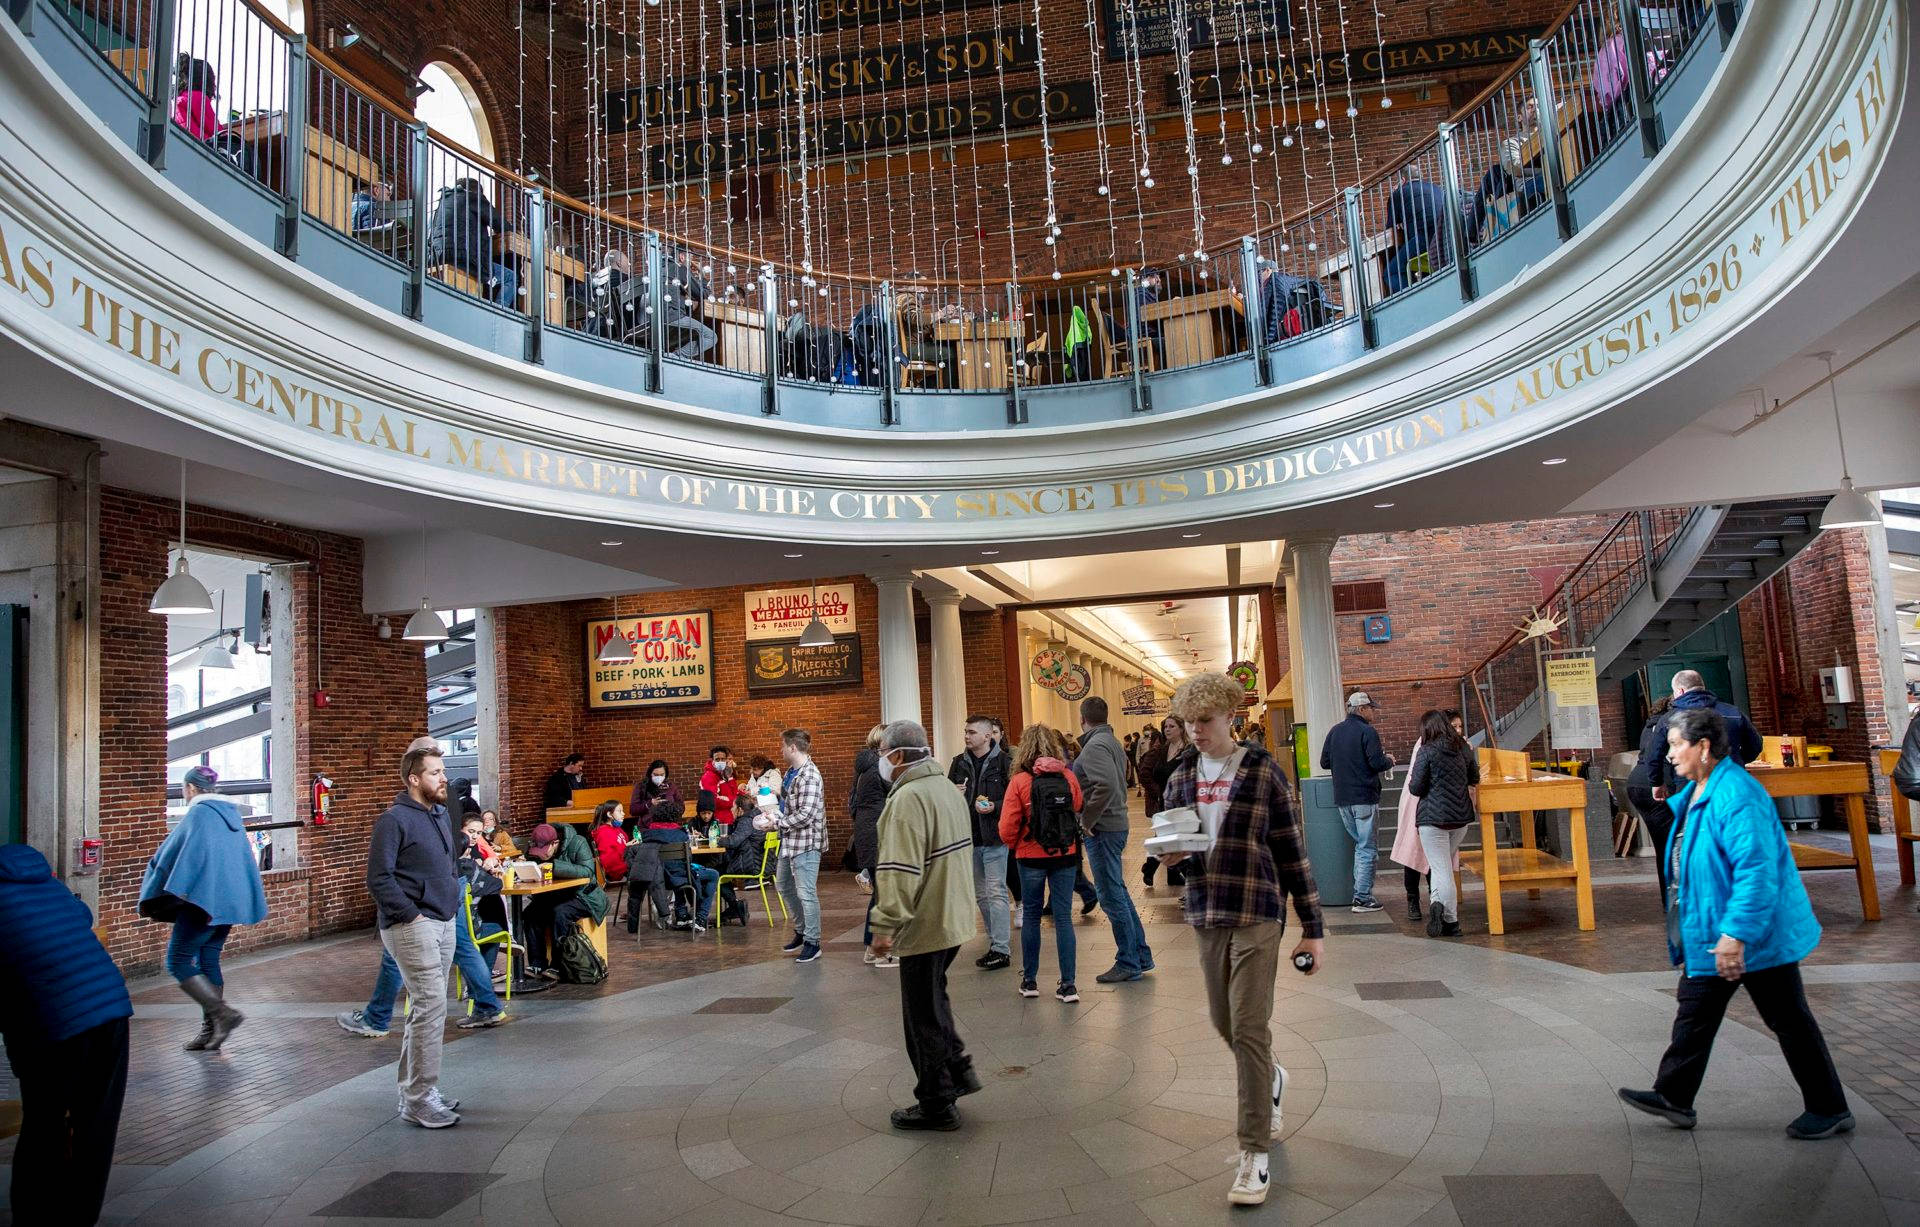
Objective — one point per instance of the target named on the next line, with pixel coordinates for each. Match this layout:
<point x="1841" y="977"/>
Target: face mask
<point x="720" y="764"/>
<point x="887" y="767"/>
<point x="659" y="777"/>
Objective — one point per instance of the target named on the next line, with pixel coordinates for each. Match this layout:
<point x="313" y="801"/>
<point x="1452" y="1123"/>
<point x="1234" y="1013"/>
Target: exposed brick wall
<point x="1827" y="617"/>
<point x="378" y="690"/>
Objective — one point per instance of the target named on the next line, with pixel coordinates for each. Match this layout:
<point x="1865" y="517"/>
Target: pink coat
<point x="1406" y="832"/>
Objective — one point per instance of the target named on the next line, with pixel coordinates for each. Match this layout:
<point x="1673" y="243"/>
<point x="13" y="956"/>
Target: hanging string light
<point x="1052" y="235"/>
<point x="1353" y="106"/>
<point x="1183" y="65"/>
<point x="1102" y="148"/>
<point x="1380" y="51"/>
<point x="1137" y="127"/>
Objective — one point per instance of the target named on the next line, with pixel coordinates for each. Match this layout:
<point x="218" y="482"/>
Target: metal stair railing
<point x="1498" y="691"/>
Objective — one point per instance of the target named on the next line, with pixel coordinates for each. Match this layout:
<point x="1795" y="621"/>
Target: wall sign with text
<point x="876" y="70"/>
<point x="763" y="23"/>
<point x="783" y="613"/>
<point x="672" y="661"/>
<point x="1369" y="63"/>
<point x="785" y="664"/>
<point x="1146" y="27"/>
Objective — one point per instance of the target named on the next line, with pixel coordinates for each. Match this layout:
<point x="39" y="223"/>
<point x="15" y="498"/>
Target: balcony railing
<point x="353" y="164"/>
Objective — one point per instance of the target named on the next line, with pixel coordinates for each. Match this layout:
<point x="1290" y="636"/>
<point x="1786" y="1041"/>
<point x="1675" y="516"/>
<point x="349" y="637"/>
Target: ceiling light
<point x="1189" y="536"/>
<point x="425" y="625"/>
<point x="988" y="553"/>
<point x="214" y="656"/>
<point x="793" y="555"/>
<point x="816" y="634"/>
<point x="616" y="650"/>
<point x="611" y="544"/>
<point x="181" y="593"/>
<point x="1554" y="460"/>
<point x="1383" y="506"/>
<point x="1849" y="508"/>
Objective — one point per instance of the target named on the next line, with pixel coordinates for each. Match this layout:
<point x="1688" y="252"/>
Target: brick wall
<point x="1826" y="617"/>
<point x="378" y="690"/>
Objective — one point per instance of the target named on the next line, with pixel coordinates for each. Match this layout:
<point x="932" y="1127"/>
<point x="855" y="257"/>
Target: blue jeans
<point x="476" y="969"/>
<point x="798" y="878"/>
<point x="1358" y="819"/>
<point x="1055" y="885"/>
<point x="990" y="893"/>
<point x="705" y="882"/>
<point x="1131" y="952"/>
<point x="194" y="948"/>
<point x="508" y="295"/>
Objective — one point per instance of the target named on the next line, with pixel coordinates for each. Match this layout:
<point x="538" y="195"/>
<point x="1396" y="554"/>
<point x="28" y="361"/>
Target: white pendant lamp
<point x="215" y="654"/>
<point x="181" y="593"/>
<point x="616" y="651"/>
<point x="1849" y="508"/>
<point x="816" y="634"/>
<point x="425" y="625"/>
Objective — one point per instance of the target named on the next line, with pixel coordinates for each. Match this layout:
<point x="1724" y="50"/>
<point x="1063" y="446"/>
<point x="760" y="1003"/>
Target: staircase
<point x="1653" y="580"/>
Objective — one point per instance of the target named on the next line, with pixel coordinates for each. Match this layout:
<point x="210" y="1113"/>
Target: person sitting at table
<point x="718" y="788"/>
<point x="620" y="316"/>
<point x="461" y="235"/>
<point x="481" y="885"/>
<point x="665" y="828"/>
<point x="609" y="841"/>
<point x="1515" y="185"/>
<point x="496" y="834"/>
<point x="361" y="216"/>
<point x="744" y="847"/>
<point x="681" y="298"/>
<point x="196" y="110"/>
<point x="1417" y="213"/>
<point x="571" y="774"/>
<point x="552" y="914"/>
<point x="654" y="787"/>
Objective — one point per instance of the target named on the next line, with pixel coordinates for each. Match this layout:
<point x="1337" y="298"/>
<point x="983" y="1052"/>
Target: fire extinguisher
<point x="322" y="800"/>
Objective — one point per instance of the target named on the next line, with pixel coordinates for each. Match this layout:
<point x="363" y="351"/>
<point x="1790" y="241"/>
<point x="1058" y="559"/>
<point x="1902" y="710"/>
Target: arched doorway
<point x="451" y="107"/>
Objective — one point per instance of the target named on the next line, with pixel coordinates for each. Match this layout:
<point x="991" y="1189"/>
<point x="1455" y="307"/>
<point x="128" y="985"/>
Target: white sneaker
<point x="1251" y="1181"/>
<point x="866" y="957"/>
<point x="888" y="961"/>
<point x="1279" y="1089"/>
<point x="435" y="1099"/>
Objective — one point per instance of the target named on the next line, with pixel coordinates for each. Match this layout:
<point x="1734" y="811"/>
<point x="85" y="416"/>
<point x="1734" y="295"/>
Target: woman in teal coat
<point x="204" y="879"/>
<point x="1737" y="913"/>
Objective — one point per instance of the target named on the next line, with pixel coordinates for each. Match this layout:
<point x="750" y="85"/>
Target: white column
<point x="1037" y="709"/>
<point x="1886" y="633"/>
<point x="486" y="706"/>
<point x="899" y="655"/>
<point x="1313" y="641"/>
<point x="949" y="674"/>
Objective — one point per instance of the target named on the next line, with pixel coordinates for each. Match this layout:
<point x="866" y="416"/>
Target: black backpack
<point x="1051" y="819"/>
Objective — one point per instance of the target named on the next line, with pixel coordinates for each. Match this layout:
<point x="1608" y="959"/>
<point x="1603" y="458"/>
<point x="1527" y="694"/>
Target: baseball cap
<point x="545" y="833"/>
<point x="1359" y="699"/>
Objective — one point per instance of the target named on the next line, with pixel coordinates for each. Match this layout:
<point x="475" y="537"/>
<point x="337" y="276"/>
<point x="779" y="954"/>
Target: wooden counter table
<point x="1528" y="867"/>
<point x="1195" y="328"/>
<point x="1849" y="782"/>
<point x="982" y="350"/>
<point x="1903" y="833"/>
<point x="740" y="334"/>
<point x="516" y="895"/>
<point x="334" y="170"/>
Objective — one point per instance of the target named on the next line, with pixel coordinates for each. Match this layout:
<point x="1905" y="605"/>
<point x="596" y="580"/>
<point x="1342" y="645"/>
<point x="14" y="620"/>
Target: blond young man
<point x="1235" y="901"/>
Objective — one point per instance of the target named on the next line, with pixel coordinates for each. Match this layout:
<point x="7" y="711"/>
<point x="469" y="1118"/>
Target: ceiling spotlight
<point x="1554" y="460"/>
<point x="611" y="544"/>
<point x="1189" y="536"/>
<point x="1383" y="506"/>
<point x="988" y="553"/>
<point x="793" y="555"/>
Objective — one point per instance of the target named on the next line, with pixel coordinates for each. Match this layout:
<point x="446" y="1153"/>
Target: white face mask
<point x="887" y="767"/>
<point x="720" y="766"/>
<point x="659" y="777"/>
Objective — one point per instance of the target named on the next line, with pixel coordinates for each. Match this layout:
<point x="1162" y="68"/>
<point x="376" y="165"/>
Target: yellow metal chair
<point x="760" y="881"/>
<point x="502" y="939"/>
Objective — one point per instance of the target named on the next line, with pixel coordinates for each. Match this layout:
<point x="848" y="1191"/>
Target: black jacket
<point x="982" y="777"/>
<point x="559" y="790"/>
<point x="1352" y="752"/>
<point x="461" y="232"/>
<point x="1906" y="772"/>
<point x="1653" y="770"/>
<point x="472" y="872"/>
<point x="410" y="864"/>
<point x="864" y="803"/>
<point x="1441" y="776"/>
<point x="745" y="846"/>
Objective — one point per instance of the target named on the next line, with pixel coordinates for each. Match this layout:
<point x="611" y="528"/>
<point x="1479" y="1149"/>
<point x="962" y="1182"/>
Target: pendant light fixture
<point x="425" y="625"/>
<point x="215" y="654"/>
<point x="181" y="593"/>
<point x="616" y="650"/>
<point x="816" y="634"/>
<point x="1849" y="508"/>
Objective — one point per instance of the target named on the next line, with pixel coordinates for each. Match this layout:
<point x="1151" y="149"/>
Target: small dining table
<point x="516" y="895"/>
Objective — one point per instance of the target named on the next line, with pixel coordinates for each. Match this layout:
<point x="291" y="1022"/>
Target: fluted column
<point x="899" y="654"/>
<point x="1313" y="641"/>
<point x="949" y="674"/>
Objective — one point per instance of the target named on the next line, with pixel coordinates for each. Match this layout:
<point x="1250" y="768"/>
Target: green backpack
<point x="578" y="961"/>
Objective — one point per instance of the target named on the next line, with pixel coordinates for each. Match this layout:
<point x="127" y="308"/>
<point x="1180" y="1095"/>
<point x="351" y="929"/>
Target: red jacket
<point x="611" y="847"/>
<point x="1013" y="811"/>
<point x="723" y="793"/>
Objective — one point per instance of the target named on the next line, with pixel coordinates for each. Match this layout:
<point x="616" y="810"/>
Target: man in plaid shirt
<point x="1234" y="902"/>
<point x="802" y="823"/>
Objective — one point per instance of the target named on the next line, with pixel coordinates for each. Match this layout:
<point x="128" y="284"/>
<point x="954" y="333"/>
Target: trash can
<point x="1329" y="850"/>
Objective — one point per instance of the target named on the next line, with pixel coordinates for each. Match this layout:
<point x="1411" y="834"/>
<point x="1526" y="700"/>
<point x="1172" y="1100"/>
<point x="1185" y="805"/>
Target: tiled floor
<point x="710" y="1081"/>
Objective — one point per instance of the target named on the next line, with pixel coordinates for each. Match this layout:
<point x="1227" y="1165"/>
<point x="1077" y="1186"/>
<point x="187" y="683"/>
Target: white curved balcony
<point x="206" y="310"/>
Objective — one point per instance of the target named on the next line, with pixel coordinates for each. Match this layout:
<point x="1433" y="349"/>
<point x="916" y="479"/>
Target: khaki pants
<point x="423" y="950"/>
<point x="1239" y="967"/>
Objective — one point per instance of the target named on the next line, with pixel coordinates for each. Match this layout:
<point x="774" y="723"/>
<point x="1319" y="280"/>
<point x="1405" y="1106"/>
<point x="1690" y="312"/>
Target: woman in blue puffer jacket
<point x="1737" y="913"/>
<point x="203" y="879"/>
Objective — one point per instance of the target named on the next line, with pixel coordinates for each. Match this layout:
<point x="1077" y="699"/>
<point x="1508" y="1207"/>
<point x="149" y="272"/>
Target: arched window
<point x="452" y="108"/>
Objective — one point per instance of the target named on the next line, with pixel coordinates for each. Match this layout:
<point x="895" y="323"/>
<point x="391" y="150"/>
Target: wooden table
<point x="1194" y="328"/>
<point x="1528" y="866"/>
<point x="334" y="169"/>
<point x="1373" y="251"/>
<point x="132" y="63"/>
<point x="516" y="893"/>
<point x="563" y="271"/>
<point x="579" y="814"/>
<point x="1903" y="834"/>
<point x="1572" y="106"/>
<point x="1849" y="782"/>
<point x="982" y="350"/>
<point x="740" y="336"/>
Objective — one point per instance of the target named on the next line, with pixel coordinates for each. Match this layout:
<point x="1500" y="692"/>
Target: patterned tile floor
<point x="1403" y="1102"/>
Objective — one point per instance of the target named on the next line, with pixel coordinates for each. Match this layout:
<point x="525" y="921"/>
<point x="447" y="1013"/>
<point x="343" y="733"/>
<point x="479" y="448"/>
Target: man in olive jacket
<point x="923" y="910"/>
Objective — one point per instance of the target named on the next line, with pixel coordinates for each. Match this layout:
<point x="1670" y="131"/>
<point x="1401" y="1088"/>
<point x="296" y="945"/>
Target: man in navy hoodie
<point x="1743" y="740"/>
<point x="1352" y="753"/>
<point x="64" y="1010"/>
